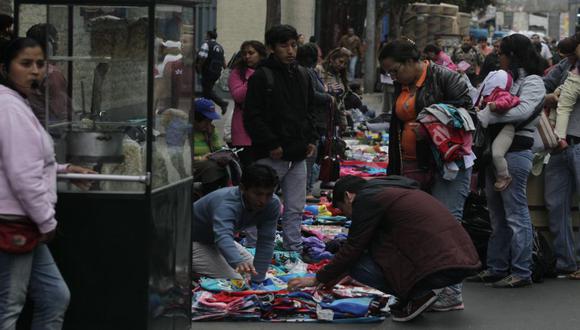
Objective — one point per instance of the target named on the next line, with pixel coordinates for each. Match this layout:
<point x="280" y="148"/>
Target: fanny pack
<point x="18" y="236"/>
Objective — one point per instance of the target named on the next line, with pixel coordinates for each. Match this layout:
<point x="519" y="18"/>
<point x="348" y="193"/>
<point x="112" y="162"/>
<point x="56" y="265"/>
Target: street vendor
<point x="415" y="245"/>
<point x="218" y="216"/>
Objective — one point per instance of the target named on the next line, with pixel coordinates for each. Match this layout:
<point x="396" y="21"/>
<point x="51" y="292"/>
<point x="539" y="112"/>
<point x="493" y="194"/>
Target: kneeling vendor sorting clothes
<point x="402" y="241"/>
<point x="218" y="216"/>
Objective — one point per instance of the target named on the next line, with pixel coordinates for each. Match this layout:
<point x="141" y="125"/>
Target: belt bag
<point x="18" y="236"/>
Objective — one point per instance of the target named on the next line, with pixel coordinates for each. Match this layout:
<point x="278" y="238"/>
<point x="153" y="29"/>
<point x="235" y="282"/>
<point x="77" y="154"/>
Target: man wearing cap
<point x="402" y="241"/>
<point x="205" y="141"/>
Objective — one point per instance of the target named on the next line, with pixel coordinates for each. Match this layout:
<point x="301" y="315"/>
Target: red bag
<point x="18" y="236"/>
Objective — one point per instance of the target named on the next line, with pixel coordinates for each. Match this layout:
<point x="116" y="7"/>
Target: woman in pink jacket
<point x="27" y="195"/>
<point x="252" y="52"/>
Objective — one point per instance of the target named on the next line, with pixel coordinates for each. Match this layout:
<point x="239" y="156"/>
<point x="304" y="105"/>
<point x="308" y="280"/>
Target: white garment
<point x="545" y="52"/>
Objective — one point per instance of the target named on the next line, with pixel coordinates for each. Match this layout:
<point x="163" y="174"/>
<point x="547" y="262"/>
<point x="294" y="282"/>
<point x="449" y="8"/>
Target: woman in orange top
<point x="419" y="84"/>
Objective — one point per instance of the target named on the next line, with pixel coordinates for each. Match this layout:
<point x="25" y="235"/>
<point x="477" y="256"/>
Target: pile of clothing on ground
<point x="324" y="230"/>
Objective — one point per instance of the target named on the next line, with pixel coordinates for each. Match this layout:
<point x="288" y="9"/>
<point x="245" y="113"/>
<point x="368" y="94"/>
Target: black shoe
<point x="327" y="185"/>
<point x="512" y="281"/>
<point x="484" y="277"/>
<point x="414" y="308"/>
<point x="224" y="108"/>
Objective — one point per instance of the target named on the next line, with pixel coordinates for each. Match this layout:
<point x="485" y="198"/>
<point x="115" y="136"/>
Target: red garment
<point x="448" y="140"/>
<point x="313" y="268"/>
<point x="503" y="100"/>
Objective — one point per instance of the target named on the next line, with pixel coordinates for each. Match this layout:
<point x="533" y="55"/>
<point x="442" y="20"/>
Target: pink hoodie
<point x="238" y="89"/>
<point x="27" y="164"/>
<point x="444" y="60"/>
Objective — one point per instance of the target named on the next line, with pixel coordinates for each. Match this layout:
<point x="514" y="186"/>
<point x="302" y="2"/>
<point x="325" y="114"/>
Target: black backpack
<point x="543" y="260"/>
<point x="214" y="63"/>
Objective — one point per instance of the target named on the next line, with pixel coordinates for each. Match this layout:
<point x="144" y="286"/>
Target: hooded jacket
<point x="27" y="163"/>
<point x="441" y="86"/>
<point x="281" y="117"/>
<point x="408" y="233"/>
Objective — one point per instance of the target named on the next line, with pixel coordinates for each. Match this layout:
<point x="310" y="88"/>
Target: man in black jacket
<point x="277" y="117"/>
<point x="210" y="63"/>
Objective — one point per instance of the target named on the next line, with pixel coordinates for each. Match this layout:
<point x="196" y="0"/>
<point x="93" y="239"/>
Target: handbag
<point x="330" y="163"/>
<point x="548" y="137"/>
<point x="18" y="236"/>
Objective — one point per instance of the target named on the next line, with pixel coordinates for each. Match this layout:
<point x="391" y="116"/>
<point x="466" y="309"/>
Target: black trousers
<point x="208" y="92"/>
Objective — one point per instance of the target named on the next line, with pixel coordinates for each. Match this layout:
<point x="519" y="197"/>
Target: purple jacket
<point x="27" y="164"/>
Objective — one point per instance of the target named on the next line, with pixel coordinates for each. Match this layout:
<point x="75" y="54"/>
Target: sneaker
<point x="563" y="273"/>
<point x="512" y="281"/>
<point x="447" y="302"/>
<point x="443" y="306"/>
<point x="502" y="183"/>
<point x="414" y="308"/>
<point x="484" y="277"/>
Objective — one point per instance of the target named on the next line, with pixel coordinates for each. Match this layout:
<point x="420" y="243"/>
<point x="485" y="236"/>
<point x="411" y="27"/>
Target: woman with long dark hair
<point x="509" y="253"/>
<point x="334" y="75"/>
<point x="27" y="195"/>
<point x="251" y="53"/>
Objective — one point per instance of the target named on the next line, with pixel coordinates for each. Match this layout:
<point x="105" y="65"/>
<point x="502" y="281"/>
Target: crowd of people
<point x="478" y="107"/>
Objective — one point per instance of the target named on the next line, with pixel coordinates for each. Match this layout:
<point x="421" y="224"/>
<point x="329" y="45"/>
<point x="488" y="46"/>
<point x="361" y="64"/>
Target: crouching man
<point x="218" y="216"/>
<point x="402" y="241"/>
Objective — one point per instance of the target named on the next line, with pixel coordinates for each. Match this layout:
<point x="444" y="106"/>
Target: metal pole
<point x="105" y="177"/>
<point x="370" y="56"/>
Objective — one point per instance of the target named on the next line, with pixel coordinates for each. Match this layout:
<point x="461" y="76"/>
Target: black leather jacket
<point x="441" y="86"/>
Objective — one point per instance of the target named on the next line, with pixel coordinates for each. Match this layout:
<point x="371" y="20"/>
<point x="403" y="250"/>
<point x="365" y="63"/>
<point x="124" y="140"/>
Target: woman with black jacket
<point x="420" y="84"/>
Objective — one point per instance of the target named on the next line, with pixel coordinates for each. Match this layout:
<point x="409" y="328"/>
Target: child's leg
<point x="499" y="148"/>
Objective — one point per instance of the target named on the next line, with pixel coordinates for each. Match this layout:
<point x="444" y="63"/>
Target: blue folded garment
<point x="354" y="306"/>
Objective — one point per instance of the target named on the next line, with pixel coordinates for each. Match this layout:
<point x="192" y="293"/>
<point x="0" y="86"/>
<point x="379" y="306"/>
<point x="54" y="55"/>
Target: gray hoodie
<point x="531" y="91"/>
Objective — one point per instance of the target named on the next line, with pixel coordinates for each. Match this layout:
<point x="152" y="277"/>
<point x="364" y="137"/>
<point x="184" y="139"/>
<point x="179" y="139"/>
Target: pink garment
<point x="27" y="164"/>
<point x="444" y="60"/>
<point x="238" y="89"/>
<point x="503" y="100"/>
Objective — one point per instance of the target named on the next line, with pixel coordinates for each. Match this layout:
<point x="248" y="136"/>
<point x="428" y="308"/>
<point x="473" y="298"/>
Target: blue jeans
<point x="352" y="68"/>
<point x="452" y="194"/>
<point x="510" y="244"/>
<point x="35" y="274"/>
<point x="561" y="179"/>
<point x="368" y="272"/>
<point x="293" y="183"/>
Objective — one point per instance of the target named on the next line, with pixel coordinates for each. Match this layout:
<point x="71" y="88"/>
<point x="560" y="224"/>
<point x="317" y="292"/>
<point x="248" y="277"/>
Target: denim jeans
<point x="352" y="68"/>
<point x="562" y="178"/>
<point x="510" y="245"/>
<point x="452" y="194"/>
<point x="293" y="183"/>
<point x="366" y="271"/>
<point x="35" y="274"/>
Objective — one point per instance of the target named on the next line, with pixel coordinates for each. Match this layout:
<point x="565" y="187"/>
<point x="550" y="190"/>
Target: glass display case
<point x="118" y="97"/>
<point x="107" y="103"/>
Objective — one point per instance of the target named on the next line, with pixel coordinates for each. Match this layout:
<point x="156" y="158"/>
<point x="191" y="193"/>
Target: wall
<point x="300" y="14"/>
<point x="6" y="7"/>
<point x="238" y="21"/>
<point x="244" y="20"/>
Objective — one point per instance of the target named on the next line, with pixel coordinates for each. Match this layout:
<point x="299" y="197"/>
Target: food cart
<point x="121" y="108"/>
